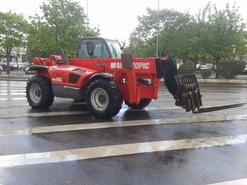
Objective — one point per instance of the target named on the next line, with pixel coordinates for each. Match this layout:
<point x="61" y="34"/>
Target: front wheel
<point x="39" y="93"/>
<point x="103" y="98"/>
<point x="141" y="105"/>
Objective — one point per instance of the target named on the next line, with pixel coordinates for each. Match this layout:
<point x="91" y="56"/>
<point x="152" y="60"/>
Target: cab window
<point x="82" y="51"/>
<point x="97" y="48"/>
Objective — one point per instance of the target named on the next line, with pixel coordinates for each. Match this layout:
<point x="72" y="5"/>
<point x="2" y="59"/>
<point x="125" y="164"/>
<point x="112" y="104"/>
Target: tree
<point x="171" y="25"/>
<point x="222" y="33"/>
<point x="12" y="33"/>
<point x="212" y="35"/>
<point x="41" y="40"/>
<point x="62" y="24"/>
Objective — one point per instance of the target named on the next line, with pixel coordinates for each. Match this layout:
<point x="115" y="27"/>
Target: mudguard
<point x="101" y="75"/>
<point x="37" y="68"/>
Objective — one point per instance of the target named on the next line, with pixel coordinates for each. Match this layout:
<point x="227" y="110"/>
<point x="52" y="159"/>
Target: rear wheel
<point x="141" y="105"/>
<point x="39" y="93"/>
<point x="103" y="98"/>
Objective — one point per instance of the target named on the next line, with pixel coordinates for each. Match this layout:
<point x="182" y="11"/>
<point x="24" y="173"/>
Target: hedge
<point x="206" y="73"/>
<point x="187" y="68"/>
<point x="229" y="69"/>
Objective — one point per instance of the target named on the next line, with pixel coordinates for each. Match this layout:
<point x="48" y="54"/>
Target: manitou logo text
<point x="137" y="65"/>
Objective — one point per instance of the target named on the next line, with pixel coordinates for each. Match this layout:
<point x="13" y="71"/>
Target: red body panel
<point x="59" y="75"/>
<point x="133" y="90"/>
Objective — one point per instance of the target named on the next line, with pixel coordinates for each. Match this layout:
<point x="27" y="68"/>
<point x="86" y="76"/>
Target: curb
<point x="13" y="79"/>
<point x="222" y="81"/>
<point x="201" y="81"/>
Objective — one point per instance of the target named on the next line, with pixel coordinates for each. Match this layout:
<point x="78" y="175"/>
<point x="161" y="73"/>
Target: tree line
<point x="59" y="27"/>
<point x="210" y="35"/>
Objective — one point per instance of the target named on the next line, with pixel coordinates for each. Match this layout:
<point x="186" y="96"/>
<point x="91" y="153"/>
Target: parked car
<point x="245" y="69"/>
<point x="23" y="65"/>
<point x="206" y="66"/>
<point x="198" y="66"/>
<point x="3" y="67"/>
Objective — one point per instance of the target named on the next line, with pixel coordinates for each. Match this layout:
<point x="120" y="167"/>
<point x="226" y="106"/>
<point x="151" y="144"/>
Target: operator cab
<point x="99" y="48"/>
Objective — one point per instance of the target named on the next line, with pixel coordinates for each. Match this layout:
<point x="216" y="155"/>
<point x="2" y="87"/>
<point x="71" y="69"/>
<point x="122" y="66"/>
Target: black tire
<point x="141" y="105"/>
<point x="108" y="103"/>
<point x="39" y="93"/>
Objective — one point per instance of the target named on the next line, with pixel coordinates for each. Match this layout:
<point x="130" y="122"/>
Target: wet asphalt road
<point x="159" y="145"/>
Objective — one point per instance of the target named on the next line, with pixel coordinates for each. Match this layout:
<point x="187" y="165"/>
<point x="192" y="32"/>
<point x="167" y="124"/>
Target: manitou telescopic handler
<point x="105" y="77"/>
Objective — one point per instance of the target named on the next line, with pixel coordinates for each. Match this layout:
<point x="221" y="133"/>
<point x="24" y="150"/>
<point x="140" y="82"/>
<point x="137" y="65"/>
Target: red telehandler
<point x="104" y="77"/>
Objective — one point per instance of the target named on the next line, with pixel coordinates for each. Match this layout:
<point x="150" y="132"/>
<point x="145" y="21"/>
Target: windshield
<point x="115" y="48"/>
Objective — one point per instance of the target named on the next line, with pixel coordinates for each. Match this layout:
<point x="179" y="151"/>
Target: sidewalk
<point x="237" y="81"/>
<point x="240" y="79"/>
<point x="15" y="76"/>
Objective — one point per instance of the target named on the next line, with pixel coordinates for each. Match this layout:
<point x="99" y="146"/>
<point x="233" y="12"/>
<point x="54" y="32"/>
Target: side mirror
<point x="90" y="48"/>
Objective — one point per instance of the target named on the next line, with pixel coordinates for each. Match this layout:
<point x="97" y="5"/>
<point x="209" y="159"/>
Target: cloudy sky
<point x="116" y="19"/>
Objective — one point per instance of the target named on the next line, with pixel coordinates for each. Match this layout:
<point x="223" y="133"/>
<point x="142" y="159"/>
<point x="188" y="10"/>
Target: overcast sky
<point x="116" y="19"/>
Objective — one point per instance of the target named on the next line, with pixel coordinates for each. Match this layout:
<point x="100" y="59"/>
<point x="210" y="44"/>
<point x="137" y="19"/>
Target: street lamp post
<point x="157" y="36"/>
<point x="87" y="8"/>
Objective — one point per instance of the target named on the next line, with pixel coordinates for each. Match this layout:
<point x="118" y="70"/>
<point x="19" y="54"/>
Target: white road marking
<point x="13" y="85"/>
<point x="12" y="99"/>
<point x="233" y="182"/>
<point x="11" y="89"/>
<point x="14" y="105"/>
<point x="173" y="108"/>
<point x="4" y="90"/>
<point x="10" y="114"/>
<point x="12" y="81"/>
<point x="13" y="94"/>
<point x="212" y="119"/>
<point x="117" y="150"/>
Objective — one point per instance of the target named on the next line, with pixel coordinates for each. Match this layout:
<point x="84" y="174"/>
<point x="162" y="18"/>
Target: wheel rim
<point x="35" y="93"/>
<point x="99" y="99"/>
